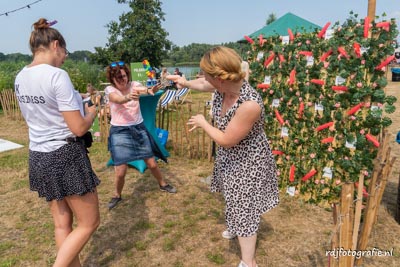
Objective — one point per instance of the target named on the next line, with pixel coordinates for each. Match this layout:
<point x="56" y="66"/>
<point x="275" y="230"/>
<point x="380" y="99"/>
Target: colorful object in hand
<point x="149" y="71"/>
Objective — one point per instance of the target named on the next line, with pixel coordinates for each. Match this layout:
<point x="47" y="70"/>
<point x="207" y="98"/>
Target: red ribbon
<point x="322" y="32"/>
<point x="343" y="52"/>
<point x="291" y="173"/>
<point x="325" y="55"/>
<point x="384" y="24"/>
<point x="316" y="81"/>
<point x="309" y="175"/>
<point x="261" y="40"/>
<point x="277" y="152"/>
<point x="354" y="109"/>
<point x="291" y="37"/>
<point x="372" y="140"/>
<point x="385" y="62"/>
<point x="324" y="126"/>
<point x="357" y="49"/>
<point x="292" y="77"/>
<point x="339" y="88"/>
<point x="281" y="58"/>
<point x="263" y="86"/>
<point x="366" y="27"/>
<point x="301" y="109"/>
<point x="269" y="59"/>
<point x="248" y="39"/>
<point x="306" y="53"/>
<point x="327" y="140"/>
<point x="279" y="117"/>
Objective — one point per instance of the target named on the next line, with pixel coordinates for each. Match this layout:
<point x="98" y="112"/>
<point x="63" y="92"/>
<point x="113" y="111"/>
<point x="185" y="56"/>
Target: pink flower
<point x="296" y="192"/>
<point x="291" y="89"/>
<point x="299" y="44"/>
<point x="380" y="105"/>
<point x="278" y="173"/>
<point x="312" y="155"/>
<point x="363" y="62"/>
<point x="309" y="104"/>
<point x="296" y="141"/>
<point x="330" y="149"/>
<point x="352" y="76"/>
<point x="374" y="85"/>
<point x="300" y="99"/>
<point x="306" y="71"/>
<point x="346" y="158"/>
<point x="316" y="181"/>
<point x="359" y="84"/>
<point x="298" y="93"/>
<point x="307" y="83"/>
<point x="264" y="90"/>
<point x="358" y="25"/>
<point x="326" y="64"/>
<point x="337" y="181"/>
<point x="321" y="97"/>
<point x="308" y="42"/>
<point x="367" y="104"/>
<point x="287" y="157"/>
<point x="271" y="92"/>
<point x="353" y="118"/>
<point x="362" y="131"/>
<point x="322" y="181"/>
<point x="337" y="105"/>
<point x="365" y="173"/>
<point x="380" y="45"/>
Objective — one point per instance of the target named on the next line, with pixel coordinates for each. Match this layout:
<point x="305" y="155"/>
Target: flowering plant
<point x="325" y="101"/>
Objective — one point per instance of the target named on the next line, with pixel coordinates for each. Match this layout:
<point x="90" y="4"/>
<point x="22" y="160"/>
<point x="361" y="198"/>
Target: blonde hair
<point x="42" y="35"/>
<point x="222" y="62"/>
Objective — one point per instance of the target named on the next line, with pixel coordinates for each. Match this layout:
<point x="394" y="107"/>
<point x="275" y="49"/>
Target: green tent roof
<point x="280" y="26"/>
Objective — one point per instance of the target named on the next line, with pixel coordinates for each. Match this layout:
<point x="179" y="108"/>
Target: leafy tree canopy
<point x="137" y="35"/>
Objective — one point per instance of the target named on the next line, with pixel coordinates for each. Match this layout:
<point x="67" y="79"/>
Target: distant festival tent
<point x="280" y="27"/>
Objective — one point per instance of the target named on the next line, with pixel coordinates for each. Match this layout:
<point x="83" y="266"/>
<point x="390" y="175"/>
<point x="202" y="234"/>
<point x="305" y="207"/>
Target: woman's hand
<point x="154" y="89"/>
<point x="132" y="96"/>
<point x="197" y="121"/>
<point x="180" y="81"/>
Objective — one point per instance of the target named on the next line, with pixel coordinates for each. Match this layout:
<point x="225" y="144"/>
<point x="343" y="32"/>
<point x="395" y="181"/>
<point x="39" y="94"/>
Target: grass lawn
<point x="152" y="228"/>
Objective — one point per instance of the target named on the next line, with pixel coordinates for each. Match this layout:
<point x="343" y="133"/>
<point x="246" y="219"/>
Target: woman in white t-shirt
<point x="59" y="167"/>
<point x="129" y="139"/>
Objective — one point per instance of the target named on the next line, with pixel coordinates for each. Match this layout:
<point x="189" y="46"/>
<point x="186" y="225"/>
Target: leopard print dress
<point x="246" y="172"/>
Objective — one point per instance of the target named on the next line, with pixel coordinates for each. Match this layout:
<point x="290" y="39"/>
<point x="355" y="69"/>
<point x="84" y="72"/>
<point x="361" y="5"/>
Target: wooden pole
<point x="357" y="216"/>
<point x="371" y="9"/>
<point x="369" y="215"/>
<point x="346" y="229"/>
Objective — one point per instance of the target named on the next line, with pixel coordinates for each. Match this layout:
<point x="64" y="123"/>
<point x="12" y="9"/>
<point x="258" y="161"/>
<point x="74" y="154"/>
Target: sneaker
<point x="226" y="234"/>
<point x="113" y="202"/>
<point x="168" y="188"/>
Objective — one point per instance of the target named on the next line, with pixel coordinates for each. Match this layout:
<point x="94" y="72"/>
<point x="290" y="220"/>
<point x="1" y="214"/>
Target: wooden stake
<point x="357" y="216"/>
<point x="346" y="228"/>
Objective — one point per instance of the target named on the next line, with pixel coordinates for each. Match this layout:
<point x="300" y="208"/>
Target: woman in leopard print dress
<point x="244" y="170"/>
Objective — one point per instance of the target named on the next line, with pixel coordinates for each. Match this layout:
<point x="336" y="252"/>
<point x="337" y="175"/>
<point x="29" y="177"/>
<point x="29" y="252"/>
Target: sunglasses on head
<point x="119" y="63"/>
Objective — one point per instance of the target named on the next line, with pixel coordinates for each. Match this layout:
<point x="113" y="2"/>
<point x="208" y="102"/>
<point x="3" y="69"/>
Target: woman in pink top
<point x="129" y="139"/>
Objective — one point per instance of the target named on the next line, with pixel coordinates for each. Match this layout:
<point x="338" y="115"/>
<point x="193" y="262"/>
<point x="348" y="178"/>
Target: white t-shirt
<point x="43" y="92"/>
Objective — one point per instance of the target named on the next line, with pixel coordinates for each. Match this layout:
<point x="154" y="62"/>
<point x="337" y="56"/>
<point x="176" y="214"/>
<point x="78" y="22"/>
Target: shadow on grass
<point x="124" y="229"/>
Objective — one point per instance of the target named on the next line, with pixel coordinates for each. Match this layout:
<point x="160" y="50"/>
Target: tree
<point x="271" y="18"/>
<point x="137" y="36"/>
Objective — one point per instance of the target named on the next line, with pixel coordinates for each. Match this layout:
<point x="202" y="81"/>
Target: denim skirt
<point x="64" y="172"/>
<point x="129" y="143"/>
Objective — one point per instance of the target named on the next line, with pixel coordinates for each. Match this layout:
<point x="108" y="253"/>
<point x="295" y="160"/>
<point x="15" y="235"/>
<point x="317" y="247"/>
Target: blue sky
<point x="82" y="22"/>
